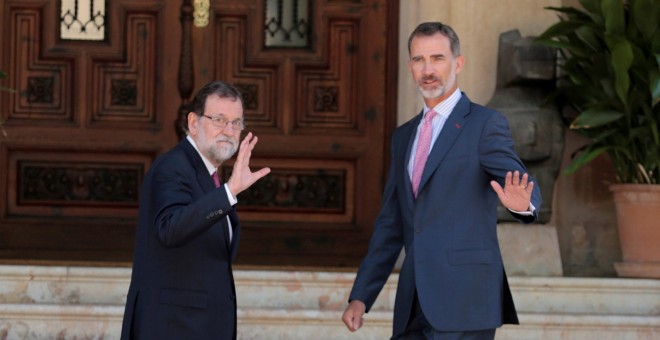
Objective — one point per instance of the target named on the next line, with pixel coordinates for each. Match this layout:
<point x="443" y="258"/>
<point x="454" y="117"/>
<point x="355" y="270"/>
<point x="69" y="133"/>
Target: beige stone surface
<point x="478" y="24"/>
<point x="530" y="250"/>
<point x="308" y="305"/>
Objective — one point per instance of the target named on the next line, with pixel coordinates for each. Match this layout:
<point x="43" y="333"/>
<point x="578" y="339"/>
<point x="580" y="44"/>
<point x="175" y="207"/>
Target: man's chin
<point x="227" y="154"/>
<point x="431" y="94"/>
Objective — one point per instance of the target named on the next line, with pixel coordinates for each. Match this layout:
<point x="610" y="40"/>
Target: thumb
<point x="356" y="321"/>
<point x="498" y="189"/>
<point x="262" y="172"/>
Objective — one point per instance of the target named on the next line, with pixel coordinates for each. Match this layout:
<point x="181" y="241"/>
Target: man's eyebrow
<point x="436" y="55"/>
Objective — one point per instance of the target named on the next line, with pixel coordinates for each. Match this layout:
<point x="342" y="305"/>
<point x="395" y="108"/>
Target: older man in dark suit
<point x="449" y="165"/>
<point x="182" y="285"/>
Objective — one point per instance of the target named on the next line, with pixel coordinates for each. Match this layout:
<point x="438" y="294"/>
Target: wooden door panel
<point x="322" y="119"/>
<point x="88" y="119"/>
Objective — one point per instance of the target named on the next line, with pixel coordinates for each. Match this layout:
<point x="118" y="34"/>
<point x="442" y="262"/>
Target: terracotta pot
<point x="638" y="218"/>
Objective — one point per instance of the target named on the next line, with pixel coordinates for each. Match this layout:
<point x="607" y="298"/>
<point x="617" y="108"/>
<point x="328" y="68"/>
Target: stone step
<point x="38" y="302"/>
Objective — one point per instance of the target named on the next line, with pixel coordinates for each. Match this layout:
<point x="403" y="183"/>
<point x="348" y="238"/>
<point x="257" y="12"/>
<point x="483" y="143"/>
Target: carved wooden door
<point x="87" y="119"/>
<point x="321" y="103"/>
<point x="90" y="117"/>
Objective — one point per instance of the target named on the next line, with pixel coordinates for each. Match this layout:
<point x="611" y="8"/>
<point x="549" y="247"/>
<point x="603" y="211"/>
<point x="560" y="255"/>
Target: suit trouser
<point x="419" y="328"/>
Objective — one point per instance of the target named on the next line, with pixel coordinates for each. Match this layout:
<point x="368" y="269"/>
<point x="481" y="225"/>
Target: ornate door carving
<point x="90" y="117"/>
<point x="87" y="120"/>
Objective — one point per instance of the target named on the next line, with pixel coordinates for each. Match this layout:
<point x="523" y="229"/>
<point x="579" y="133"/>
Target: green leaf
<point x="644" y="15"/>
<point x="622" y="58"/>
<point x="554" y="43"/>
<point x="589" y="36"/>
<point x="595" y="117"/>
<point x="582" y="159"/>
<point x="592" y="6"/>
<point x="610" y="73"/>
<point x="3" y="75"/>
<point x="615" y="21"/>
<point x="560" y="29"/>
<point x="571" y="12"/>
<point x="654" y="85"/>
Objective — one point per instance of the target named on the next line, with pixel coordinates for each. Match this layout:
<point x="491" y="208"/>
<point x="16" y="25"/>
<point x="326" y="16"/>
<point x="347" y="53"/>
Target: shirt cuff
<point x="230" y="196"/>
<point x="529" y="212"/>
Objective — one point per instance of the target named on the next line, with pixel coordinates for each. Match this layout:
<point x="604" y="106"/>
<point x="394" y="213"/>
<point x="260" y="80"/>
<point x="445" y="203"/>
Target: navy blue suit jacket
<point x="450" y="231"/>
<point x="182" y="285"/>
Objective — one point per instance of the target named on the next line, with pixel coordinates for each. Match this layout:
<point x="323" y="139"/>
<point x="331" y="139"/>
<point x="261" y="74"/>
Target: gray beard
<point x="224" y="153"/>
<point x="432" y="94"/>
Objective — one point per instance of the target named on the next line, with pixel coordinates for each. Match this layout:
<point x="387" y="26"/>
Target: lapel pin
<point x="458" y="126"/>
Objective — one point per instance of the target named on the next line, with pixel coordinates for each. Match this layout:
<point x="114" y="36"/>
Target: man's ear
<point x="460" y="61"/>
<point x="193" y="119"/>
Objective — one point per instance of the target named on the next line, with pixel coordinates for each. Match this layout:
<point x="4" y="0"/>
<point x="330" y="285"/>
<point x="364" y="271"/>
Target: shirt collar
<point x="209" y="166"/>
<point x="445" y="107"/>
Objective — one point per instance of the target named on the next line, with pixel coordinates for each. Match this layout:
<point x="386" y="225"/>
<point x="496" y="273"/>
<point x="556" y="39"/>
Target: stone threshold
<point x="39" y="302"/>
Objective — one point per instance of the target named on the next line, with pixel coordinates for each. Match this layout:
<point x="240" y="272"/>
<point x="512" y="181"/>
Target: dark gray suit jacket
<point x="182" y="285"/>
<point x="449" y="232"/>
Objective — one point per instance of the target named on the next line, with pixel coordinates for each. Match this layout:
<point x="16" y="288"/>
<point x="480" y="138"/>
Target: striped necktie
<point x="423" y="148"/>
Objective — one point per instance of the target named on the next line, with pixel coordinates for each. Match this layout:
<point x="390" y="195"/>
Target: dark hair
<point x="219" y="88"/>
<point x="430" y="28"/>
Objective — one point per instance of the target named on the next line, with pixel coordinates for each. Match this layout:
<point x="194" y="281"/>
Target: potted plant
<point x="610" y="51"/>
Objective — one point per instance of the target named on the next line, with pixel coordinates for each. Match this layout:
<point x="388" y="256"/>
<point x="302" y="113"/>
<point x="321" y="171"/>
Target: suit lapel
<point x="203" y="178"/>
<point x="206" y="183"/>
<point x="450" y="131"/>
<point x="412" y="131"/>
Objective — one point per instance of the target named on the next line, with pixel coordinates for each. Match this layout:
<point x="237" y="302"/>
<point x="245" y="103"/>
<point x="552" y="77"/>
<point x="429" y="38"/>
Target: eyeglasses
<point x="236" y="125"/>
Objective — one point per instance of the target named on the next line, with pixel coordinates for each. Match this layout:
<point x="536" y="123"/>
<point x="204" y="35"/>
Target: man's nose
<point x="427" y="68"/>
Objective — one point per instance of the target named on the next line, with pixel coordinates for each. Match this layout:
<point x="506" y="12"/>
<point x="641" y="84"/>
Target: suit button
<point x="418" y="230"/>
<point x="219" y="211"/>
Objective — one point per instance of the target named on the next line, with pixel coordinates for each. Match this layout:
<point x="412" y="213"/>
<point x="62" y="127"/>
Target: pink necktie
<point x="423" y="147"/>
<point x="216" y="179"/>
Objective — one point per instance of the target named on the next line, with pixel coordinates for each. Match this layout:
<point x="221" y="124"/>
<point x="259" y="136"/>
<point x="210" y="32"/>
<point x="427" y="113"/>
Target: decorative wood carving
<point x="308" y="189"/>
<point x="326" y="98"/>
<point x="88" y="120"/>
<point x="258" y="78"/>
<point x="330" y="90"/>
<point x="80" y="184"/>
<point x="44" y="82"/>
<point x="123" y="92"/>
<point x="84" y="183"/>
<point x="84" y="125"/>
<point x="186" y="77"/>
<point x="319" y="112"/>
<point x="40" y="90"/>
<point x="124" y="87"/>
<point x="249" y="94"/>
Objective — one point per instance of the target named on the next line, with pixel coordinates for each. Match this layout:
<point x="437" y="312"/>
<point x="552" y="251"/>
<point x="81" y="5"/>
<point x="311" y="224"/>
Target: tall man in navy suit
<point x="449" y="165"/>
<point x="182" y="285"/>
